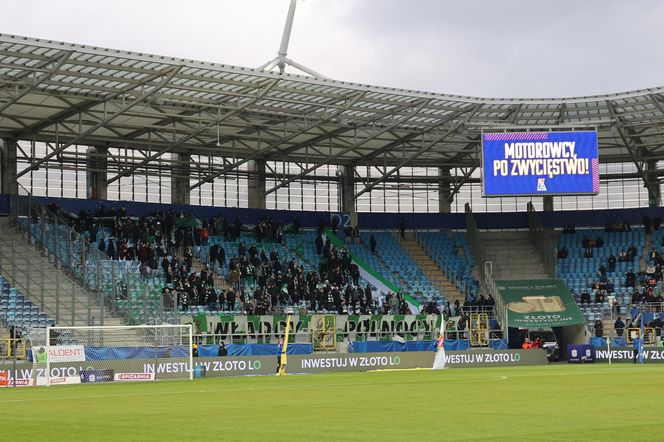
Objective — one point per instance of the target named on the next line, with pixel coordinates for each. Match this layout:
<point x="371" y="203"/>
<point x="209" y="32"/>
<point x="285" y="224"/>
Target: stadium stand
<point x="16" y="310"/>
<point x="249" y="293"/>
<point x="264" y="277"/>
<point x="131" y="270"/>
<point x="588" y="250"/>
<point x="142" y="287"/>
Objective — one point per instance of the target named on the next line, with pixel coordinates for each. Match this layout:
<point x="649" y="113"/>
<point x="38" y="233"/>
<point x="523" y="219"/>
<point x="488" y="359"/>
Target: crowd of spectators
<point x="264" y="283"/>
<point x="645" y="283"/>
<point x="656" y="323"/>
<point x="456" y="308"/>
<point x="160" y="234"/>
<point x="604" y="287"/>
<point x="254" y="280"/>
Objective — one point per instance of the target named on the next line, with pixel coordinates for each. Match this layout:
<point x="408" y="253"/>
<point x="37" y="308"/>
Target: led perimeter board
<point x="539" y="163"/>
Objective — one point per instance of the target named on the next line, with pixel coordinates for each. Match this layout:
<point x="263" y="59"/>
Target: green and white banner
<point x="532" y="303"/>
<point x="385" y="327"/>
<point x="267" y="329"/>
<point x="372" y="277"/>
<point x="261" y="329"/>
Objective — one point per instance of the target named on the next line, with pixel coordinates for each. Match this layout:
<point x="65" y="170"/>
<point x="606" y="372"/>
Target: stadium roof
<point x="68" y="94"/>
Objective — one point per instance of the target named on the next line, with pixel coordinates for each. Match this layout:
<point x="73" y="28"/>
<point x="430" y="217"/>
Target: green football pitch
<point x="556" y="402"/>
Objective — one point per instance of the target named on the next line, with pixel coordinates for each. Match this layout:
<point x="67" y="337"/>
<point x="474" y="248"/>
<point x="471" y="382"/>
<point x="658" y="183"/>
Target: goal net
<point x="73" y="355"/>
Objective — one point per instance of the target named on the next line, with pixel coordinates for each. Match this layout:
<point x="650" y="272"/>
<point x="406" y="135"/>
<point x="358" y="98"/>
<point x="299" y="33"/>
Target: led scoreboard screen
<point x="540" y="163"/>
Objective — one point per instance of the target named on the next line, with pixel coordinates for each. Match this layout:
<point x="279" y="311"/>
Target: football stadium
<point x="195" y="250"/>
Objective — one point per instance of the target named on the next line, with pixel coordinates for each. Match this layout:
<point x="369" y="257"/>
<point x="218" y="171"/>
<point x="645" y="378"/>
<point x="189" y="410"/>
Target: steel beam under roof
<point x="468" y="114"/>
<point x="167" y="76"/>
<point x="68" y="94"/>
<point x="398" y="120"/>
<point x="259" y="94"/>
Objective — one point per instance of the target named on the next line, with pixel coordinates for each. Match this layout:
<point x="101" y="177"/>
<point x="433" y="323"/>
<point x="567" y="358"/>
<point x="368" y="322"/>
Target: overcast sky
<point x="493" y="48"/>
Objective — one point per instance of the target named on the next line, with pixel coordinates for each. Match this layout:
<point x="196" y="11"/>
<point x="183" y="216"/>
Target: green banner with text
<point x="534" y="303"/>
<point x="266" y="329"/>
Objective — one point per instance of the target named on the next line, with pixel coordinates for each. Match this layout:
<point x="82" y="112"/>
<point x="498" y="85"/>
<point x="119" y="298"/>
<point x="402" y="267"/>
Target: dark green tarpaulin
<point x="534" y="303"/>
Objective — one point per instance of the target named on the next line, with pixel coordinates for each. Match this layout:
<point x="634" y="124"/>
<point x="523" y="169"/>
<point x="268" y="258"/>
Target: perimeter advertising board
<point x="540" y="163"/>
<point x="60" y="353"/>
<point x="173" y="368"/>
<point x="626" y="355"/>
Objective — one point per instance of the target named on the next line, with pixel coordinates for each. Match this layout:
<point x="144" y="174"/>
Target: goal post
<point x="73" y="355"/>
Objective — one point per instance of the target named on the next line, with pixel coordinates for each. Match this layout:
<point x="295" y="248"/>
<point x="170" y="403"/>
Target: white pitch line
<point x="227" y="390"/>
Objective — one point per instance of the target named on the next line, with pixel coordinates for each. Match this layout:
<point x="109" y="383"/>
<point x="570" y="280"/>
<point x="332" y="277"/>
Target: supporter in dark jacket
<point x="222" y="350"/>
<point x="619" y="326"/>
<point x="599" y="329"/>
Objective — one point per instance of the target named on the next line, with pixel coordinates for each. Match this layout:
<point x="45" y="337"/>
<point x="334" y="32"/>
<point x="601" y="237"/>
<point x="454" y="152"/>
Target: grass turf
<point x="590" y="402"/>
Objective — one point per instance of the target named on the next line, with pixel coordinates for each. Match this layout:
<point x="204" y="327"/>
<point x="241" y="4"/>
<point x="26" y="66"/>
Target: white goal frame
<point x="187" y="330"/>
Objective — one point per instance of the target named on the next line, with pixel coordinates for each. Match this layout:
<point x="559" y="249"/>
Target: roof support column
<point x="547" y="203"/>
<point x="8" y="183"/>
<point x="256" y="184"/>
<point x="654" y="191"/>
<point x="180" y="179"/>
<point x="347" y="192"/>
<point x="97" y="173"/>
<point x="445" y="196"/>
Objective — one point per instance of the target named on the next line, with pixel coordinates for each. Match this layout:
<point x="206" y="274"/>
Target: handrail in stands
<point x="479" y="252"/>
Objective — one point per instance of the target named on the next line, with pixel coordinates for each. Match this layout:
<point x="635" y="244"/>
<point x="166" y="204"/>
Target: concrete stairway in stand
<point x="432" y="271"/>
<point x="512" y="255"/>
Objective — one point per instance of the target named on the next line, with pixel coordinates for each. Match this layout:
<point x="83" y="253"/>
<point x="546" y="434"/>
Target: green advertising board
<point x="534" y="303"/>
